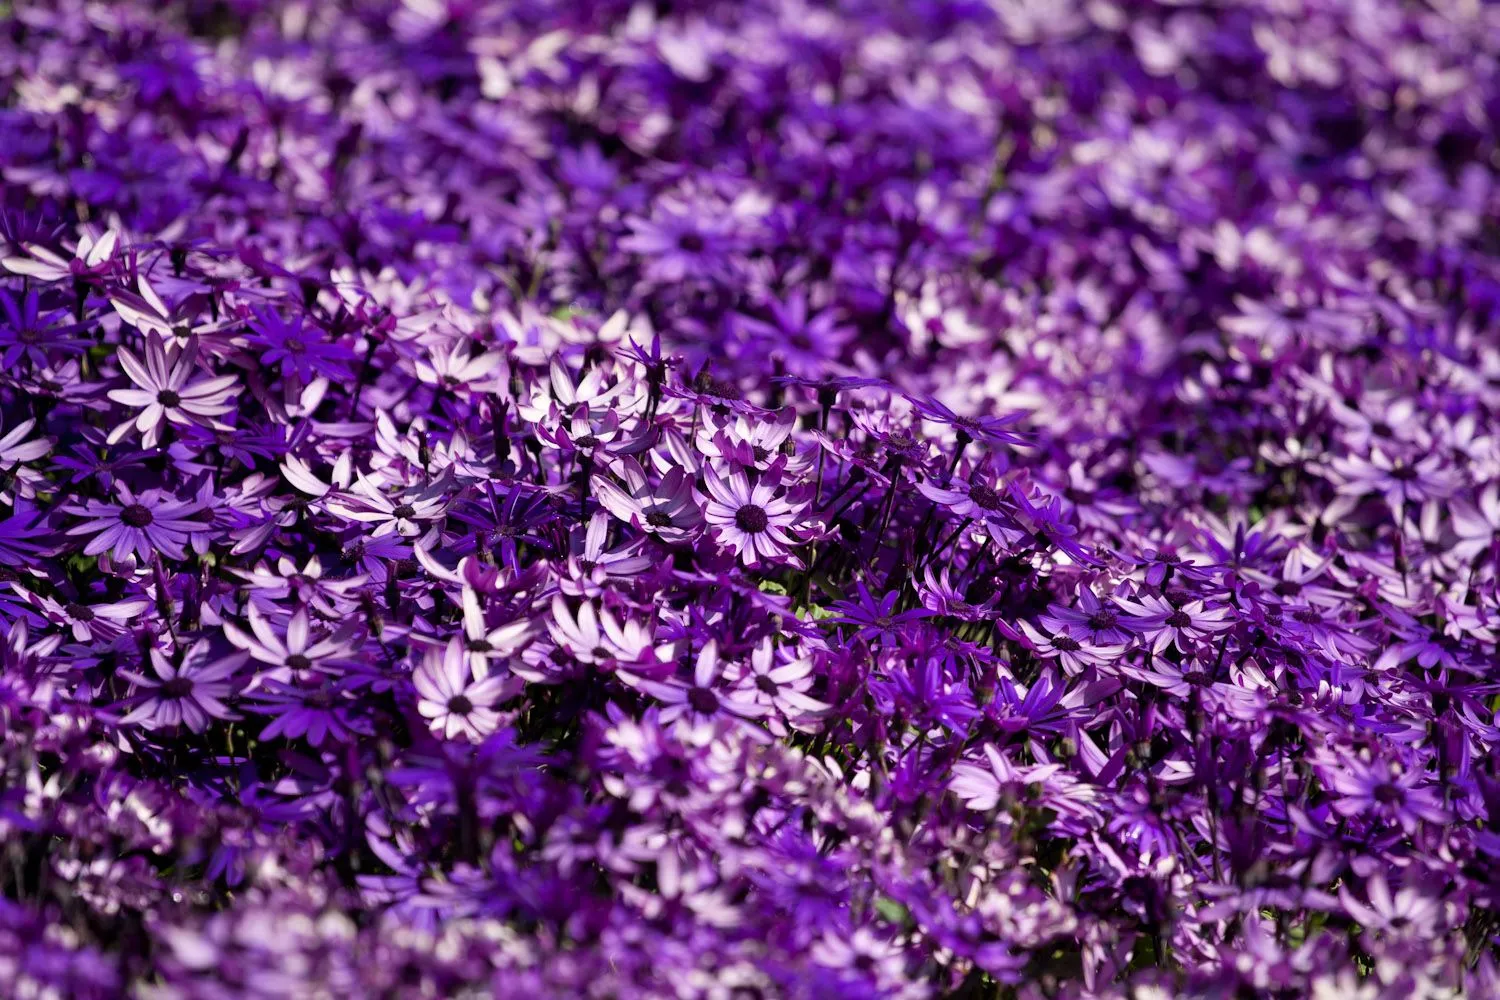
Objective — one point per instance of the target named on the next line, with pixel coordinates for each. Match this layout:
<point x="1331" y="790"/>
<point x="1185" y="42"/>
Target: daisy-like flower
<point x="559" y="396"/>
<point x="804" y="340"/>
<point x="1162" y="625"/>
<point x="1407" y="913"/>
<point x="452" y="701"/>
<point x="87" y="622"/>
<point x="681" y="241"/>
<point x="188" y="693"/>
<point x="595" y="636"/>
<point x="751" y="520"/>
<point x="752" y="443"/>
<point x="706" y="699"/>
<point x="166" y="393"/>
<point x="90" y="257"/>
<point x="1075" y="655"/>
<point x="294" y="657"/>
<point x="15" y="452"/>
<point x="782" y="684"/>
<point x="980" y="501"/>
<point x="874" y="617"/>
<point x="327" y="596"/>
<point x="982" y="786"/>
<point x="402" y="515"/>
<point x="665" y="508"/>
<point x="484" y="644"/>
<point x="1382" y="791"/>
<point x="1092" y="618"/>
<point x="454" y="368"/>
<point x="28" y="332"/>
<point x="20" y="533"/>
<point x="993" y="430"/>
<point x="316" y="711"/>
<point x="593" y="569"/>
<point x="298" y="349"/>
<point x="139" y="524"/>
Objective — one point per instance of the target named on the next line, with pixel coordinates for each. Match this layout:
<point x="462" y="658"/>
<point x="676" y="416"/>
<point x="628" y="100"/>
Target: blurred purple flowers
<point x="953" y="498"/>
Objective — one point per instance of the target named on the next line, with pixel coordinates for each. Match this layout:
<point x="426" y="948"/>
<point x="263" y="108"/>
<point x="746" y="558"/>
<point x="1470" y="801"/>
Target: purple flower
<point x="453" y="700"/>
<point x="665" y="508"/>
<point x="1163" y="624"/>
<point x="705" y="699"/>
<point x="753" y="521"/>
<point x="984" y="429"/>
<point x="186" y="687"/>
<point x="167" y="393"/>
<point x="1075" y="653"/>
<point x="137" y="524"/>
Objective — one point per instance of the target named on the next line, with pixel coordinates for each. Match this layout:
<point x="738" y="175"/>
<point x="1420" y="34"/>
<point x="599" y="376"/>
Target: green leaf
<point x="891" y="910"/>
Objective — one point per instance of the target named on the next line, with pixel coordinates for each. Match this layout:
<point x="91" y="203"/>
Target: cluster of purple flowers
<point x="750" y="498"/>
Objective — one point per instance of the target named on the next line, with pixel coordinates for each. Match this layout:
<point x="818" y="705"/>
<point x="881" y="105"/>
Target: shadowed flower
<point x="188" y="690"/>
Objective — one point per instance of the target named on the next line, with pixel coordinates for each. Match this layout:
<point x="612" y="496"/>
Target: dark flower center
<point x="901" y="442"/>
<point x="168" y="398"/>
<point x="1179" y="619"/>
<point x="586" y="442"/>
<point x="1403" y="473"/>
<point x="1197" y="678"/>
<point x="1307" y="616"/>
<point x="1066" y="643"/>
<point x="691" y="242"/>
<point x="765" y="684"/>
<point x="1389" y="794"/>
<point x="761" y="454"/>
<point x="404" y="512"/>
<point x="478" y="646"/>
<point x="751" y="519"/>
<point x="1101" y="620"/>
<point x="459" y="705"/>
<point x="599" y="653"/>
<point x="710" y="386"/>
<point x="318" y="699"/>
<point x="177" y="687"/>
<point x="657" y="519"/>
<point x="298" y="662"/>
<point x="136" y="515"/>
<point x="703" y="701"/>
<point x="79" y="613"/>
<point x="984" y="497"/>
